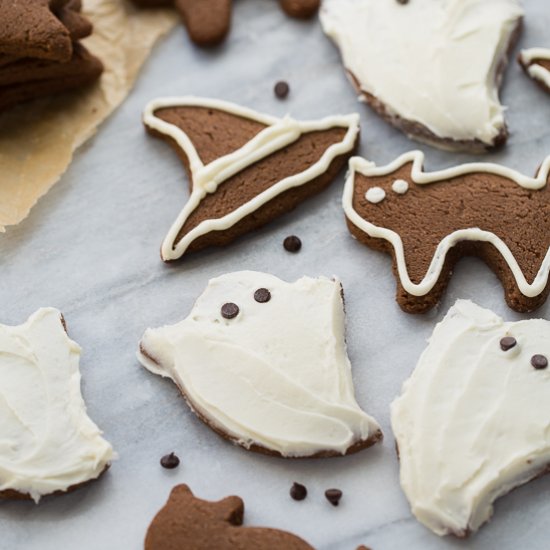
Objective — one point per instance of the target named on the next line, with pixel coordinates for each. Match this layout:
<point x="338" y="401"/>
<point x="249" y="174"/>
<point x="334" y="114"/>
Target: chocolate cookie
<point x="244" y="168"/>
<point x="208" y="21"/>
<point x="258" y="360"/>
<point x="536" y="64"/>
<point x="188" y="522"/>
<point x="428" y="221"/>
<point x="423" y="73"/>
<point x="45" y="450"/>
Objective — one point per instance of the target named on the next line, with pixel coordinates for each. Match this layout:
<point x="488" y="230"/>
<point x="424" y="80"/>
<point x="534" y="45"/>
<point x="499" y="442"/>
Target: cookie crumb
<point x="170" y="461"/>
<point x="292" y="243"/>
<point x="333" y="496"/>
<point x="281" y="89"/>
<point x="298" y="491"/>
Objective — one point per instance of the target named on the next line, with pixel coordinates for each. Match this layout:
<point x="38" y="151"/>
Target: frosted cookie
<point x="428" y="220"/>
<point x="48" y="444"/>
<point x="188" y="522"/>
<point x="208" y="21"/>
<point x="263" y="362"/>
<point x="431" y="68"/>
<point x="536" y="63"/>
<point x="473" y="420"/>
<point x="245" y="168"/>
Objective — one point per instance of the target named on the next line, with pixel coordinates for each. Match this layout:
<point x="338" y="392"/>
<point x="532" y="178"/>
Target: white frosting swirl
<point x="277" y="375"/>
<point x="473" y="421"/>
<point x="433" y="62"/>
<point x="47" y="441"/>
<point x="528" y="58"/>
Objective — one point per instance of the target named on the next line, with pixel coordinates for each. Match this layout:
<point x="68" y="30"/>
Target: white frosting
<point x="375" y="195"/>
<point x="277" y="375"/>
<point x="206" y="179"/>
<point x="400" y="187"/>
<point x="473" y="421"/>
<point x="360" y="165"/>
<point x="433" y="62"/>
<point x="47" y="441"/>
<point x="537" y="72"/>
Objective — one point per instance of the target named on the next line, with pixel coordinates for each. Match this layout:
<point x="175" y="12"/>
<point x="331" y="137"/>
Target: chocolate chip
<point x="230" y="310"/>
<point x="170" y="461"/>
<point x="333" y="496"/>
<point x="262" y="295"/>
<point x="298" y="491"/>
<point x="403" y="2"/>
<point x="292" y="243"/>
<point x="281" y="89"/>
<point x="508" y="342"/>
<point x="539" y="361"/>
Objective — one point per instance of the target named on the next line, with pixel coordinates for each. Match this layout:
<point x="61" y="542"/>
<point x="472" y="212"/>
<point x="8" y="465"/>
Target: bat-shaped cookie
<point x="427" y="221"/>
<point x="208" y="21"/>
<point x="187" y="522"/>
<point x="536" y="64"/>
<point x="473" y="420"/>
<point x="245" y="168"/>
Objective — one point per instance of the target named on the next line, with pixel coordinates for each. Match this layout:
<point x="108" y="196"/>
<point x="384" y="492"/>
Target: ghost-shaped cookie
<point x="263" y="362"/>
<point x="473" y="420"/>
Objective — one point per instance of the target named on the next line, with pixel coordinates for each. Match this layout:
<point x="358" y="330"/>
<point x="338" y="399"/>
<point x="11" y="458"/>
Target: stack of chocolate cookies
<point x="40" y="52"/>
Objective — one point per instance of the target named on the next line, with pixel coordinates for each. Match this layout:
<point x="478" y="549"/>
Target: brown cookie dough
<point x="188" y="522"/>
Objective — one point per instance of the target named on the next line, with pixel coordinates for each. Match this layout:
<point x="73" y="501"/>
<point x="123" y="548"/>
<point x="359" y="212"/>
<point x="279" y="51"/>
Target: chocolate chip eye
<point x="230" y="310"/>
<point x="262" y="295"/>
<point x="539" y="362"/>
<point x="507" y="343"/>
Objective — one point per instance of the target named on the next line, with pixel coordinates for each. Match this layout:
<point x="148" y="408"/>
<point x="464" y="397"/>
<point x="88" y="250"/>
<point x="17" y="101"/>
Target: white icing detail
<point x="360" y="165"/>
<point x="535" y="71"/>
<point x="277" y="375"/>
<point x="431" y="62"/>
<point x="472" y="422"/>
<point x="375" y="195"/>
<point x="278" y="134"/>
<point x="47" y="441"/>
<point x="400" y="186"/>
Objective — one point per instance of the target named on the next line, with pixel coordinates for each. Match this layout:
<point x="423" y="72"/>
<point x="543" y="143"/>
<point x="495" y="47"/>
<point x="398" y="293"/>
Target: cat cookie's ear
<point x="301" y="9"/>
<point x="536" y="64"/>
<point x="207" y="21"/>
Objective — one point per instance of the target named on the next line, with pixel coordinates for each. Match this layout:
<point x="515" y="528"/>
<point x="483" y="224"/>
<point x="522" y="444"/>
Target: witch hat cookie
<point x="245" y="168"/>
<point x="428" y="220"/>
<point x="190" y="523"/>
<point x="473" y="420"/>
<point x="430" y="68"/>
<point x="263" y="362"/>
<point x="48" y="444"/>
<point x="536" y="64"/>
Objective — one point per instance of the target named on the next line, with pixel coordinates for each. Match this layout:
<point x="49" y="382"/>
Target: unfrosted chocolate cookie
<point x="188" y="522"/>
<point x="428" y="221"/>
<point x="245" y="168"/>
<point x="209" y="21"/>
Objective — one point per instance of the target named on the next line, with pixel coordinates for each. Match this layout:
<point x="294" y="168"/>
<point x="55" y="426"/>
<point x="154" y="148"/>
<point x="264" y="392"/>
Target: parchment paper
<point x="37" y="140"/>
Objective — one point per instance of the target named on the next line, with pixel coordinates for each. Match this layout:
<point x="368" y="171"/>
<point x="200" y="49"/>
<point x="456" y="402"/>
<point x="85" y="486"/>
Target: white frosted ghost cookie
<point x="432" y="68"/>
<point x="48" y="444"/>
<point x="263" y="362"/>
<point x="473" y="420"/>
<point x="536" y="63"/>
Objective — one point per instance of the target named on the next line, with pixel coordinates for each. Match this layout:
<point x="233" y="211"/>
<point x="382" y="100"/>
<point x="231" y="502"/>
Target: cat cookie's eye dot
<point x="507" y="343"/>
<point x="375" y="195"/>
<point x="400" y="187"/>
<point x="262" y="295"/>
<point x="539" y="361"/>
<point x="230" y="310"/>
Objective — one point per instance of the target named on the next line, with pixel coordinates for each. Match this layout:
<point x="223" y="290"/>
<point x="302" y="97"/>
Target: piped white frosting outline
<point x="419" y="177"/>
<point x="206" y="178"/>
<point x="537" y="72"/>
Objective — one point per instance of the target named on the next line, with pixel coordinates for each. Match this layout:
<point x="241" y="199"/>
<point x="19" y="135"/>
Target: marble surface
<point x="91" y="248"/>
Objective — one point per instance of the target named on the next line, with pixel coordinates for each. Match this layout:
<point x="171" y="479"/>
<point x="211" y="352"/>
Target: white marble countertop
<point x="91" y="248"/>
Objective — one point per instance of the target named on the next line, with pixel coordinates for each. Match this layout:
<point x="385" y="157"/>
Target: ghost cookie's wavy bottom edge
<point x="484" y="251"/>
<point x="357" y="446"/>
<point x="418" y="132"/>
<point x="12" y="494"/>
